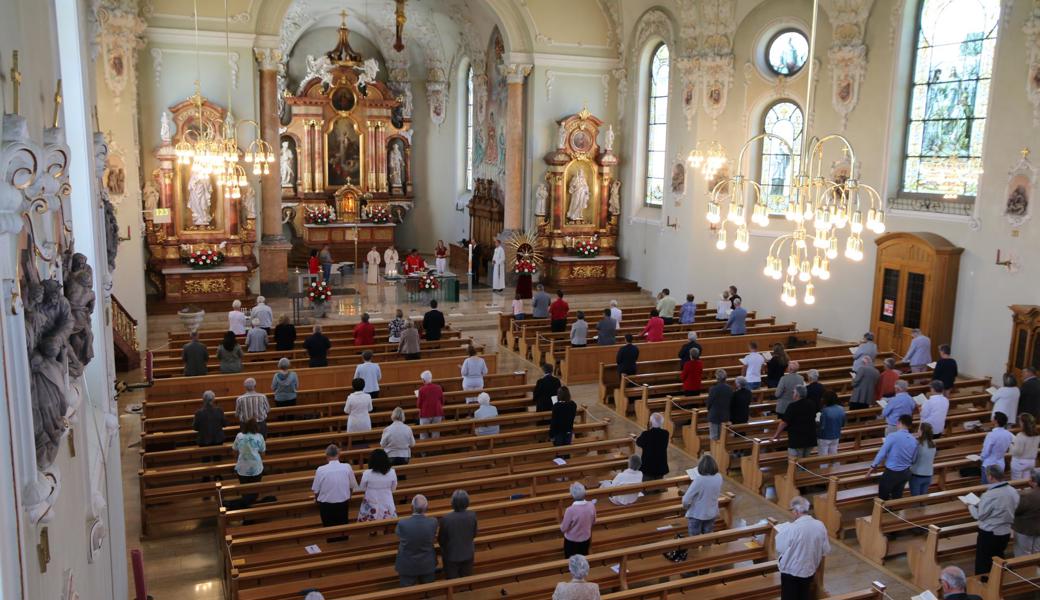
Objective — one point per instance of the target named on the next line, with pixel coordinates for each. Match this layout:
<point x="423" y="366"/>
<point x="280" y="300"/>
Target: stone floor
<point x="187" y="566"/>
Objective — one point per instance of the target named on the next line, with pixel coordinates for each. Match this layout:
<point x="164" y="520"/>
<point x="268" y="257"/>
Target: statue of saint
<point x="609" y="145"/>
<point x="287" y="165"/>
<point x="614" y="203"/>
<point x="541" y="196"/>
<point x="396" y="166"/>
<point x="561" y="137"/>
<point x="200" y="193"/>
<point x="165" y="133"/>
<point x="579" y="194"/>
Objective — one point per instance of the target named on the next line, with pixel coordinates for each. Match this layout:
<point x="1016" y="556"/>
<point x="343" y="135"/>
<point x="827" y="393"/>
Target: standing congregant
<point x="801" y="544"/>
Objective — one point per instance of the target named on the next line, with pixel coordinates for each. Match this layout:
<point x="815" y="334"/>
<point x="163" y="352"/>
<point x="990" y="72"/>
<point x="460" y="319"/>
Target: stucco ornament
<point x="847" y="56"/>
<point x="120" y="36"/>
<point x="705" y="58"/>
<point x="111" y="222"/>
<point x="1032" y="30"/>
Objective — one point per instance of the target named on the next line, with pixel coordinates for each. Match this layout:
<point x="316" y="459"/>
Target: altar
<point x="187" y="285"/>
<point x="350" y="241"/>
<point x="410" y="291"/>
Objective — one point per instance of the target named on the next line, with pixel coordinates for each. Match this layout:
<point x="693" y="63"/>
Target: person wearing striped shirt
<point x="252" y="405"/>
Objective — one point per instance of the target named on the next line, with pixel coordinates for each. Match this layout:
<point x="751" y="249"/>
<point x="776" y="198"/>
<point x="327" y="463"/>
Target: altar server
<point x="499" y="262"/>
<point x="390" y="259"/>
<point x="373" y="267"/>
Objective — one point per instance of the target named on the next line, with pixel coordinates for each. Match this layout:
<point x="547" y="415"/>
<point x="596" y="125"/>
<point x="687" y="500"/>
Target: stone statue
<point x="368" y="71"/>
<point x="579" y="195"/>
<point x="396" y="166"/>
<point x="614" y="203"/>
<point x="561" y="137"/>
<point x="541" y="196"/>
<point x="111" y="232"/>
<point x="200" y="192"/>
<point x="79" y="279"/>
<point x="319" y="67"/>
<point x="287" y="165"/>
<point x="165" y="133"/>
<point x="48" y="324"/>
<point x="249" y="201"/>
<point x="609" y="141"/>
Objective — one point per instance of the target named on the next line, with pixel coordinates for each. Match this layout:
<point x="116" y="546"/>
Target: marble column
<point x="274" y="247"/>
<point x="514" y="126"/>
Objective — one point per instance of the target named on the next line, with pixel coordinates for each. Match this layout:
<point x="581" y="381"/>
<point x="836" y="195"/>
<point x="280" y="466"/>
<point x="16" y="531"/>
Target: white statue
<point x="287" y="165"/>
<point x="165" y="132"/>
<point x="579" y="194"/>
<point x="396" y="166"/>
<point x="614" y="203"/>
<point x="200" y="192"/>
<point x="541" y="196"/>
<point x="319" y="67"/>
<point x="249" y="201"/>
<point x="368" y="71"/>
<point x="561" y="137"/>
<point x="609" y="139"/>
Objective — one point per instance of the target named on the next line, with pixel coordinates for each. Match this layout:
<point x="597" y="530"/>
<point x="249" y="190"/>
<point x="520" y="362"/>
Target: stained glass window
<point x="787" y="52"/>
<point x="784" y="120"/>
<point x="951" y="84"/>
<point x="657" y="126"/>
<point x="469" y="128"/>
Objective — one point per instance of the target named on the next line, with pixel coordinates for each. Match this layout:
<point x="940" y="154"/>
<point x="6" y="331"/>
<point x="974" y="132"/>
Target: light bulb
<point x="810" y="296"/>
<point x="742" y="242"/>
<point x="720" y="242"/>
<point x="714" y="212"/>
<point x="832" y="250"/>
<point x="736" y="212"/>
<point x="804" y="272"/>
<point x="815" y="271"/>
<point x="825" y="269"/>
<point x="857" y="222"/>
<point x="879" y="226"/>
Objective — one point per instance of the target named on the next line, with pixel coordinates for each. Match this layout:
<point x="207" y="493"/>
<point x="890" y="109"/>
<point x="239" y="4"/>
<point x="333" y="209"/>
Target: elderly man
<point x="654" y="442"/>
<point x="897" y="453"/>
<point x="615" y="312"/>
<point x="317" y="346"/>
<point x="814" y="389"/>
<point x="864" y="384"/>
<point x="935" y="408"/>
<point x="785" y="387"/>
<point x="1027" y="517"/>
<point x="333" y="483"/>
<point x="684" y="352"/>
<point x="995" y="513"/>
<point x="801" y="545"/>
<point x="720" y="399"/>
<point x="996" y="445"/>
<point x="195" y="357"/>
<point x="370" y="373"/>
<point x="540" y="303"/>
<point x="256" y="337"/>
<point x="736" y="324"/>
<point x="866" y="348"/>
<point x="263" y="313"/>
<point x="955" y="584"/>
<point x="577" y="523"/>
<point x="252" y="405"/>
<point x="416" y="559"/>
<point x="799" y="420"/>
<point x="209" y="424"/>
<point x="919" y="354"/>
<point x="606" y="329"/>
<point x="457" y="531"/>
<point x="897" y="406"/>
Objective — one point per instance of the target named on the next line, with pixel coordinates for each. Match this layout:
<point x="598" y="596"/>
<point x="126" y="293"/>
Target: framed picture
<point x="1018" y="197"/>
<point x="679" y="178"/>
<point x="343" y="99"/>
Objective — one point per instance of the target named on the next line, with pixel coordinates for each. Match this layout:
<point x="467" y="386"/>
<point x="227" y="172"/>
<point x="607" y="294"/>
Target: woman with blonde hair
<point x="1024" y="447"/>
<point x="776" y="366"/>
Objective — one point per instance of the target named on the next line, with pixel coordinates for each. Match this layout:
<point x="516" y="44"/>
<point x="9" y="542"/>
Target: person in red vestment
<point x="413" y="263"/>
<point x="313" y="264"/>
<point x="364" y="332"/>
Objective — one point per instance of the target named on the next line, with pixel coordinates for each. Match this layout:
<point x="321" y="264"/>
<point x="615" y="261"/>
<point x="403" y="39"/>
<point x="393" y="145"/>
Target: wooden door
<point x="903" y="294"/>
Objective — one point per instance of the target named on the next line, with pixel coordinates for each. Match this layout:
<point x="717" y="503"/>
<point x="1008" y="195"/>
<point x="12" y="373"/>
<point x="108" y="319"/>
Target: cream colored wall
<point x="982" y="328"/>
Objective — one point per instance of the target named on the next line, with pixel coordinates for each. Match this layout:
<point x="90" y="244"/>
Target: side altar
<point x="346" y="148"/>
<point x="578" y="207"/>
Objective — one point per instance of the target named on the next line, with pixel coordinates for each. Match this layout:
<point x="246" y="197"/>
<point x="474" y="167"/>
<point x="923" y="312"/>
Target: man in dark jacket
<point x="606" y="329"/>
<point x="561" y="427"/>
<point x="654" y="442"/>
<point x="209" y="422"/>
<point x="627" y="357"/>
<point x="457" y="532"/>
<point x="945" y="367"/>
<point x="1029" y="399"/>
<point x="720" y="397"/>
<point x="545" y="389"/>
<point x="740" y="406"/>
<point x="416" y="559"/>
<point x="317" y="346"/>
<point x="684" y="352"/>
<point x="195" y="357"/>
<point x="433" y="322"/>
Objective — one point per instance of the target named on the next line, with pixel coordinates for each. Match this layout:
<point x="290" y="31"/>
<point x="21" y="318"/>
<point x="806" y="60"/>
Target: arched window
<point x="784" y="120"/>
<point x="657" y="126"/>
<point x="953" y="64"/>
<point x="469" y="128"/>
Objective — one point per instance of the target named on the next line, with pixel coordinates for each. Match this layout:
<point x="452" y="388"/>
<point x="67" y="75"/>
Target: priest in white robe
<point x="498" y="262"/>
<point x="390" y="259"/>
<point x="373" y="267"/>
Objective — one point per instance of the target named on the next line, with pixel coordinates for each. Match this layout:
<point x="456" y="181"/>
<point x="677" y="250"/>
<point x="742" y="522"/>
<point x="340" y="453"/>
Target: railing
<point x="123" y="325"/>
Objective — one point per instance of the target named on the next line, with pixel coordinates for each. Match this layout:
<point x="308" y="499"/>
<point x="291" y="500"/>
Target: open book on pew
<point x="970" y="425"/>
<point x="973" y="457"/>
<point x="925" y="595"/>
<point x="767" y="355"/>
<point x="853" y="350"/>
<point x="919" y="399"/>
<point x="970" y="499"/>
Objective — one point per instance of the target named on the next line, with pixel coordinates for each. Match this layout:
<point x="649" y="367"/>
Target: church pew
<point x="610" y="382"/>
<point x="338" y="339"/>
<point x="226" y="384"/>
<point x="581" y="365"/>
<point x="638" y="564"/>
<point x="1008" y="578"/>
<point x="177" y="337"/>
<point x="521" y="334"/>
<point x="345" y="358"/>
<point x="156" y="410"/>
<point x="758" y="580"/>
<point x="506" y="322"/>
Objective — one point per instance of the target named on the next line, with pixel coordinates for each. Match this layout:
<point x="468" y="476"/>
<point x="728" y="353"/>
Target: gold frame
<point x="331" y="124"/>
<point x="332" y="92"/>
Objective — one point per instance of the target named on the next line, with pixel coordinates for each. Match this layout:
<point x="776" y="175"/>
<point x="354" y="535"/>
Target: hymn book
<point x="973" y="457"/>
<point x="931" y="365"/>
<point x="919" y="399"/>
<point x="970" y="499"/>
<point x="883" y="402"/>
<point x="991" y="390"/>
<point x="925" y="595"/>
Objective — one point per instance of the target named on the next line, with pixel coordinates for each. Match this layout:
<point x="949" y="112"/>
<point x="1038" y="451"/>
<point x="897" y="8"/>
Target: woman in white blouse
<point x="1005" y="399"/>
<point x="236" y="318"/>
<point x="1024" y="447"/>
<point x="378" y="482"/>
<point x="398" y="439"/>
<point x="627" y="477"/>
<point x="358" y="405"/>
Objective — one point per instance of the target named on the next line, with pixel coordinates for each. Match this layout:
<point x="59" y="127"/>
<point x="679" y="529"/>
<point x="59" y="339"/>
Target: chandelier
<point x="709" y="161"/>
<point x="212" y="148"/>
<point x="830" y="204"/>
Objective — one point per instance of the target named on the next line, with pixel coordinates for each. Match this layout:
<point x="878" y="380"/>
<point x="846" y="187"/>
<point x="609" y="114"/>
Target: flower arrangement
<point x="203" y="259"/>
<point x="428" y="282"/>
<point x="320" y="215"/>
<point x="524" y="267"/>
<point x="587" y="248"/>
<point x="319" y="291"/>
<point x="380" y="215"/>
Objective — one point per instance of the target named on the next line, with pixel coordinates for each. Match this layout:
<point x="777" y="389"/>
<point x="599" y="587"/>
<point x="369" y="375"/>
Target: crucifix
<point x="16" y="79"/>
<point x="57" y="104"/>
<point x="399" y="22"/>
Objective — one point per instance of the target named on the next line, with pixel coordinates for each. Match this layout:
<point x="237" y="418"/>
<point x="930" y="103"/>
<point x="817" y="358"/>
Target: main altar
<point x="577" y="209"/>
<point x="346" y="149"/>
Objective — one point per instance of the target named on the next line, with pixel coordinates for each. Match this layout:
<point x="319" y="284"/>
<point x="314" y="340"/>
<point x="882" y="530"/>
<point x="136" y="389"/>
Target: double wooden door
<point x="902" y="299"/>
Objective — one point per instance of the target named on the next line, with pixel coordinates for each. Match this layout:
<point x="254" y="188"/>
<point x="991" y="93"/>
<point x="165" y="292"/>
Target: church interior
<point x="376" y="299"/>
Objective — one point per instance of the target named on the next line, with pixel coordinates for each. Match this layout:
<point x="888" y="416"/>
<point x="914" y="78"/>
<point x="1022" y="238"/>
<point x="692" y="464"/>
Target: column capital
<point x="268" y="59"/>
<point x="516" y="72"/>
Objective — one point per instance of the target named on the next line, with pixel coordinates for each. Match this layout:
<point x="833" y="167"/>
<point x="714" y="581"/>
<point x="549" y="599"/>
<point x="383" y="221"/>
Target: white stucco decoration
<point x="847" y="57"/>
<point x="157" y="64"/>
<point x="120" y="36"/>
<point x="1032" y="31"/>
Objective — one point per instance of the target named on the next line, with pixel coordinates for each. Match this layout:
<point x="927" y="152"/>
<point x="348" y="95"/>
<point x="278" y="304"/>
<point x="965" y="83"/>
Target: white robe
<point x="499" y="262"/>
<point x="390" y="259"/>
<point x="373" y="267"/>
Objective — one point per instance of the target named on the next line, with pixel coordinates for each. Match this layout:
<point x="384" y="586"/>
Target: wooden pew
<point x="1008" y="578"/>
<point x="339" y="339"/>
<point x="177" y="337"/>
<point x="730" y="584"/>
<point x="508" y="330"/>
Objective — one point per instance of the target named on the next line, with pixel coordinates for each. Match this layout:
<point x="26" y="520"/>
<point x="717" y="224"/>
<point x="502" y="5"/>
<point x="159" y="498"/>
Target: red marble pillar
<point x="274" y="248"/>
<point x="514" y="185"/>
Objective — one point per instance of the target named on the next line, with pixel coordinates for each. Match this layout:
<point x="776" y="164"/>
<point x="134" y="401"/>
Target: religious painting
<point x="344" y="153"/>
<point x="343" y="99"/>
<point x="396" y="166"/>
<point x="581" y="141"/>
<point x="490" y="94"/>
<point x="115" y="180"/>
<point x="679" y="178"/>
<point x="581" y="186"/>
<point x="1018" y="197"/>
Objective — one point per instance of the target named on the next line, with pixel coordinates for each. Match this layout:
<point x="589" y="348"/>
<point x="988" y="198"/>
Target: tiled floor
<point x="187" y="565"/>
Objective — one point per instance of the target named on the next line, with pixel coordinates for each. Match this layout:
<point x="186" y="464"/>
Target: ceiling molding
<point x="186" y="37"/>
<point x="570" y="61"/>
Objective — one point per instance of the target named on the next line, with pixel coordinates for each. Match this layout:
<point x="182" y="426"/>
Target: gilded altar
<point x="578" y="206"/>
<point x="348" y="137"/>
<point x="191" y="213"/>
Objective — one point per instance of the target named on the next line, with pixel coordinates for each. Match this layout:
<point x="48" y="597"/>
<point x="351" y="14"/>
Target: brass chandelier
<point x="812" y="198"/>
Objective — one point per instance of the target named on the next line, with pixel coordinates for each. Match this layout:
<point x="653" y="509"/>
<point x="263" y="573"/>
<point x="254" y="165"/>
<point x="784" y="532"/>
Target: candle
<point x="469" y="259"/>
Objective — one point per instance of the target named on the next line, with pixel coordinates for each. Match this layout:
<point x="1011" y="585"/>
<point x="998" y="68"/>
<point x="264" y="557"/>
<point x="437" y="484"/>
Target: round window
<point x="787" y="52"/>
